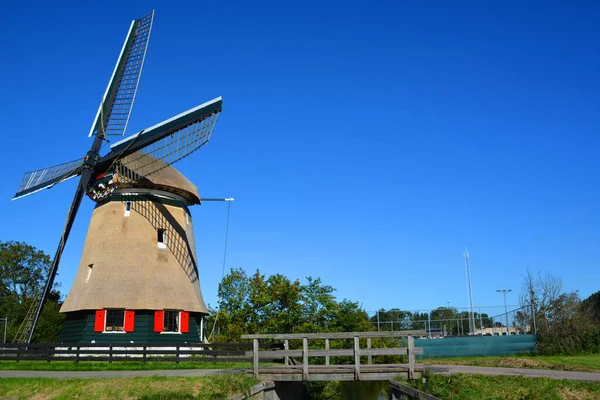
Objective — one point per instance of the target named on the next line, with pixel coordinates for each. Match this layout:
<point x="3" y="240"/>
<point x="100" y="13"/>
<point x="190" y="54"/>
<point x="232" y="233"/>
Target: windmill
<point x="137" y="269"/>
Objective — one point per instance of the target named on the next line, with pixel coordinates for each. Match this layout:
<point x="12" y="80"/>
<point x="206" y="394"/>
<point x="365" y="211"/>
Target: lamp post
<point x="504" y="291"/>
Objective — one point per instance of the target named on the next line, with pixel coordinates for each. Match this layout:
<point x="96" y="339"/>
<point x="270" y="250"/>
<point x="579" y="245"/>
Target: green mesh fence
<point x="471" y="346"/>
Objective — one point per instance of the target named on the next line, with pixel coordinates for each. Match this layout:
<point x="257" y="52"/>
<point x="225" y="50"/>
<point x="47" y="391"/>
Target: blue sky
<point x="366" y="143"/>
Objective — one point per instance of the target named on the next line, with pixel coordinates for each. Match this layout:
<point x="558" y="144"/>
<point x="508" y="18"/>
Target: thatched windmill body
<point x="138" y="277"/>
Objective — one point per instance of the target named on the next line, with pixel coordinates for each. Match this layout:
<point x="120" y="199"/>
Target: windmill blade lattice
<point x="166" y="151"/>
<point x="115" y="110"/>
<point x="33" y="181"/>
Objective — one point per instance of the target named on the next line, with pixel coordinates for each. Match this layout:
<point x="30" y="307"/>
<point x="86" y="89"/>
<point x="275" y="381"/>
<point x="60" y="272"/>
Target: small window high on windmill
<point x="127" y="208"/>
<point x="162" y="239"/>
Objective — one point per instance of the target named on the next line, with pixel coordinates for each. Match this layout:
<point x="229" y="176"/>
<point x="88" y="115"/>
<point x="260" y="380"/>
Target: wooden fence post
<point x="286" y="346"/>
<point x="356" y="358"/>
<point x="411" y="357"/>
<point x="144" y="354"/>
<point x="326" y="348"/>
<point x="305" y="358"/>
<point x="255" y="358"/>
<point x="77" y="355"/>
<point x="370" y="357"/>
<point x="177" y="354"/>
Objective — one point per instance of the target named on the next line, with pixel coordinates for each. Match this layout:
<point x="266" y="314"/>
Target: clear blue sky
<point x="366" y="143"/>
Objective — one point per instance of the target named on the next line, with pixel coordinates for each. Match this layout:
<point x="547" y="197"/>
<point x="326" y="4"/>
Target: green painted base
<point x="78" y="328"/>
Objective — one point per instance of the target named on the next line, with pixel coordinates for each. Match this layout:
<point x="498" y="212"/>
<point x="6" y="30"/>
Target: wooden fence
<point x="338" y="372"/>
<point x="176" y="352"/>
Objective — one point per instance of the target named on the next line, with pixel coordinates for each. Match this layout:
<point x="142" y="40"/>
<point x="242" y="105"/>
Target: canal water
<point x="347" y="390"/>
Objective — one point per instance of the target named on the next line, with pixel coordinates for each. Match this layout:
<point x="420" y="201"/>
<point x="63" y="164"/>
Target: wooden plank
<point x="327" y="348"/>
<point x="255" y="358"/>
<point x="304" y="359"/>
<point x="297" y="377"/>
<point x="411" y="357"/>
<point x="281" y="353"/>
<point x="394" y="351"/>
<point x="286" y="346"/>
<point x="356" y="358"/>
<point x="369" y="356"/>
<point x="334" y="352"/>
<point x="335" y="335"/>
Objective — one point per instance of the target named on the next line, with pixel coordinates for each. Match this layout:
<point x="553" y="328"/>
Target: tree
<point x="23" y="273"/>
<point x="591" y="306"/>
<point x="564" y="325"/>
<point x="275" y="304"/>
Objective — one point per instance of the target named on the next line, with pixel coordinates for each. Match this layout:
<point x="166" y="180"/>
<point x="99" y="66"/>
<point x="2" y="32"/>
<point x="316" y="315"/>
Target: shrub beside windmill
<point x="138" y="278"/>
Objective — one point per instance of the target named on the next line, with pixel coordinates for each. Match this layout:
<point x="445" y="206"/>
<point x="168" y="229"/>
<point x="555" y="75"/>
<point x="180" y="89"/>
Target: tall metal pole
<point x="504" y="291"/>
<point x="470" y="293"/>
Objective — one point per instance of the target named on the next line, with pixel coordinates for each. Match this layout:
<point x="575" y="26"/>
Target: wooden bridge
<point x="328" y="371"/>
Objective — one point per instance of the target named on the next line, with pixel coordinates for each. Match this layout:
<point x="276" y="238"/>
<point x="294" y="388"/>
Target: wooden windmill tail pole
<point x="89" y="163"/>
<point x="217" y="199"/>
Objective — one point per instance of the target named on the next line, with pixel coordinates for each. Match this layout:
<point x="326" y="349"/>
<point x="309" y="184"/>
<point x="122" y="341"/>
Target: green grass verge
<point x="143" y="388"/>
<point x="588" y="363"/>
<point x="115" y="366"/>
<point x="468" y="387"/>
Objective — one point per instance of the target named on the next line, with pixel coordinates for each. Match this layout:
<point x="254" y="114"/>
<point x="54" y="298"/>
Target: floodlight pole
<point x="504" y="291"/>
<point x="470" y="293"/>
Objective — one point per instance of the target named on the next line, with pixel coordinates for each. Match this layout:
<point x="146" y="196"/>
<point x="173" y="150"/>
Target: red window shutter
<point x="99" y="322"/>
<point x="184" y="323"/>
<point x="159" y="320"/>
<point x="129" y="320"/>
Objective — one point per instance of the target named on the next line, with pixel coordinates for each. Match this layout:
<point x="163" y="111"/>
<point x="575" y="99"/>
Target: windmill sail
<point x="115" y="109"/>
<point x="34" y="181"/>
<point x="165" y="143"/>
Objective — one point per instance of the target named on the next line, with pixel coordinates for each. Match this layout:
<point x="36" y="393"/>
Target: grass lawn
<point x="589" y="363"/>
<point x="468" y="387"/>
<point x="115" y="365"/>
<point x="144" y="388"/>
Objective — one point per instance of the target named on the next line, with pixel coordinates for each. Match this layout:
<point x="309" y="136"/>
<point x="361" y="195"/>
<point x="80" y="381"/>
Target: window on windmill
<point x="162" y="239"/>
<point x="127" y="208"/>
<point x="115" y="320"/>
<point x="90" y="267"/>
<point x="171" y="323"/>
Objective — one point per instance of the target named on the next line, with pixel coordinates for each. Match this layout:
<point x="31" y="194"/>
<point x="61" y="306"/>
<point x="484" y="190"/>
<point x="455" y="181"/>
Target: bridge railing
<point x="356" y="351"/>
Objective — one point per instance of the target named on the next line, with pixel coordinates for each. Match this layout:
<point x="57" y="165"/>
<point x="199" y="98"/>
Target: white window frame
<point x="106" y="317"/>
<point x="127" y="208"/>
<point x="178" y="323"/>
<point x="162" y="244"/>
<point x="91" y="267"/>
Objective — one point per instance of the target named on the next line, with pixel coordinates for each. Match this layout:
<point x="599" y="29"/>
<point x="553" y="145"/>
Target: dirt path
<point x="442" y="369"/>
<point x="531" y="373"/>
<point x="114" y="374"/>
